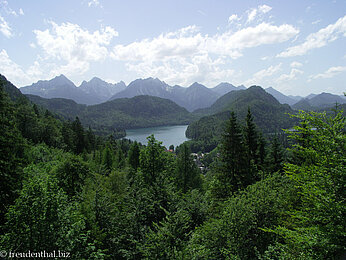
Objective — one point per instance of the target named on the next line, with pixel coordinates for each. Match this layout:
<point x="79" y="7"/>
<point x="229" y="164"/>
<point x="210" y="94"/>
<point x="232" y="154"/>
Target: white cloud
<point x="74" y="46"/>
<point x="252" y="13"/>
<point x="5" y="29"/>
<point x="21" y="12"/>
<point x="93" y="3"/>
<point x="316" y="22"/>
<point x="11" y="70"/>
<point x="296" y="64"/>
<point x="178" y="54"/>
<point x="330" y="73"/>
<point x="291" y="76"/>
<point x="264" y="8"/>
<point x="318" y="39"/>
<point x="259" y="78"/>
<point x="233" y="18"/>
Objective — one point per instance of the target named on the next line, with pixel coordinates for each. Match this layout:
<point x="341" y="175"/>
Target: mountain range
<point x="315" y="102"/>
<point x="93" y="92"/>
<point x="97" y="91"/>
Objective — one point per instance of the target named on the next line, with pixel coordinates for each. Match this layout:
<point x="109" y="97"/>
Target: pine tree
<point x="251" y="138"/>
<point x="107" y="157"/>
<point x="186" y="174"/>
<point x="79" y="136"/>
<point x="276" y="156"/>
<point x="11" y="152"/>
<point x="233" y="170"/>
<point x="133" y="156"/>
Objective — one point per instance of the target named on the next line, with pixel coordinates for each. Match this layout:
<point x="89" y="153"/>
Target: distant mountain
<point x="311" y="96"/>
<point x="194" y="97"/>
<point x="101" y="90"/>
<point x="58" y="87"/>
<point x="296" y="98"/>
<point x="224" y="87"/>
<point x="198" y="96"/>
<point x="283" y="99"/>
<point x="317" y="102"/>
<point x="269" y="114"/>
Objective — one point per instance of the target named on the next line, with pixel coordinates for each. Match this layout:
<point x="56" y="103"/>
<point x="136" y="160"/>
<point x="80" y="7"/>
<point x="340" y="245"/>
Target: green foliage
<point x="233" y="170"/>
<point x="187" y="175"/>
<point x="317" y="223"/>
<point x="133" y="156"/>
<point x="42" y="218"/>
<point x="11" y="153"/>
<point x="237" y="233"/>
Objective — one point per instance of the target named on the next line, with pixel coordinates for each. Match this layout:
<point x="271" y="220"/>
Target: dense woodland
<point x="64" y="188"/>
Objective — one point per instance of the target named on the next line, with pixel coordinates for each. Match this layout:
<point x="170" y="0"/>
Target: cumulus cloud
<point x="329" y="73"/>
<point x="291" y="76"/>
<point x="259" y="78"/>
<point x="233" y="18"/>
<point x="177" y="52"/>
<point x="93" y="3"/>
<point x="318" y="39"/>
<point x="74" y="46"/>
<point x="12" y="70"/>
<point x="252" y="13"/>
<point x="69" y="41"/>
<point x="21" y="12"/>
<point x="296" y="64"/>
<point x="5" y="29"/>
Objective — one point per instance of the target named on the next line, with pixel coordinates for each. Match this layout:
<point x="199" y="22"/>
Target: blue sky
<point x="297" y="47"/>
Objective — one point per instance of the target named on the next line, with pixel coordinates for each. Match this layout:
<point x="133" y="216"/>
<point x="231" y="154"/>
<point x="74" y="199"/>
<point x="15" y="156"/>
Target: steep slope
<point x="194" y="97"/>
<point x="66" y="108"/>
<point x="149" y="86"/>
<point x="224" y="87"/>
<point x="58" y="87"/>
<point x="13" y="92"/>
<point x="136" y="112"/>
<point x="283" y="99"/>
<point x="123" y="113"/>
<point x="101" y="90"/>
<point x="269" y="114"/>
<point x="317" y="102"/>
<point x="198" y="96"/>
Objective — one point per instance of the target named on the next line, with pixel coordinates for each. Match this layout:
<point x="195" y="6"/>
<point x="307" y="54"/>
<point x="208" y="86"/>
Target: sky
<point x="297" y="47"/>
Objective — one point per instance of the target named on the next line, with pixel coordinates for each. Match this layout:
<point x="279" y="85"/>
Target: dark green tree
<point x="276" y="156"/>
<point x="152" y="160"/>
<point x="187" y="175"/>
<point x="133" y="156"/>
<point x="232" y="173"/>
<point x="251" y="138"/>
<point x="79" y="136"/>
<point x="11" y="153"/>
<point x="108" y="157"/>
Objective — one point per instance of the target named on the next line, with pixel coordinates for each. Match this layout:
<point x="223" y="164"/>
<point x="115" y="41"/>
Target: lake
<point x="166" y="134"/>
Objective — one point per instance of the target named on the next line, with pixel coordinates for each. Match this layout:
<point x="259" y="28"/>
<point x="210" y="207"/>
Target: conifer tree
<point x="251" y="138"/>
<point x="79" y="136"/>
<point x="233" y="170"/>
<point x="133" y="156"/>
<point x="186" y="173"/>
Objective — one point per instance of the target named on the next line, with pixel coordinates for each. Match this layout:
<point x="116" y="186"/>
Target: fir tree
<point x="186" y="173"/>
<point x="133" y="156"/>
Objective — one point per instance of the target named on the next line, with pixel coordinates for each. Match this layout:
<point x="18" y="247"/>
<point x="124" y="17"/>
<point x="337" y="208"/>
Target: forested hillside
<point x="269" y="115"/>
<point x="119" y="114"/>
<point x="64" y="189"/>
